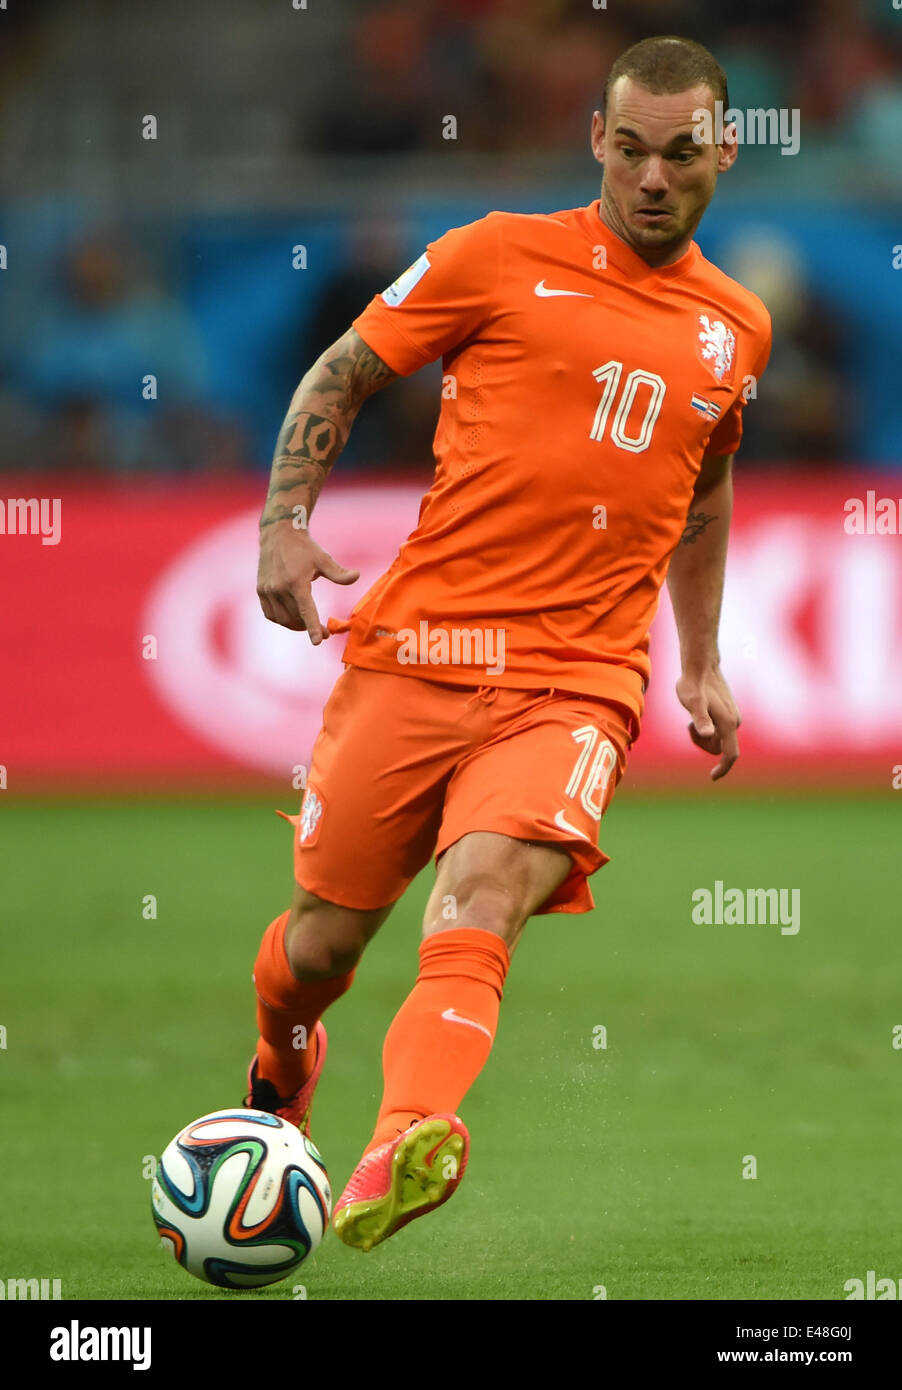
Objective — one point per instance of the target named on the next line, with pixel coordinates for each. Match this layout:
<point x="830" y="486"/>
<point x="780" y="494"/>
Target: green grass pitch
<point x="618" y="1167"/>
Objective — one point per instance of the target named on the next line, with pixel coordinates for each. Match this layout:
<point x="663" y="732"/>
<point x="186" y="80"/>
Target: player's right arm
<point x="312" y="436"/>
<point x="443" y="298"/>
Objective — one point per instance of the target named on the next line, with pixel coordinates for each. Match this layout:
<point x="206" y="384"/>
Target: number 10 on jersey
<point x="608" y="378"/>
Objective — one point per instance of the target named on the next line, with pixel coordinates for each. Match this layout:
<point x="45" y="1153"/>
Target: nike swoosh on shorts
<point x="563" y="824"/>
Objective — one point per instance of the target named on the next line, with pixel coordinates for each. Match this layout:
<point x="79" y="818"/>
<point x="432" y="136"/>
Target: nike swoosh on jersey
<point x="544" y="293"/>
<point x="563" y="824"/>
<point x="451" y="1017"/>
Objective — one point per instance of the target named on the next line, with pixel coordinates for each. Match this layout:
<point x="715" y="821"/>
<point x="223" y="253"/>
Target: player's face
<point x="658" y="180"/>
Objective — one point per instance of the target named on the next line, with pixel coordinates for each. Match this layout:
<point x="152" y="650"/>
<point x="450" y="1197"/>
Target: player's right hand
<point x="290" y="560"/>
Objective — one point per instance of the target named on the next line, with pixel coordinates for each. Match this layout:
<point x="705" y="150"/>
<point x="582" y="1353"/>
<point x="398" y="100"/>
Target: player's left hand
<point x="714" y="717"/>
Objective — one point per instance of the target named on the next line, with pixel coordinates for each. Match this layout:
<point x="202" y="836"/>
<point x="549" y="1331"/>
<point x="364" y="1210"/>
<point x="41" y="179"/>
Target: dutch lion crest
<point x="311" y="812"/>
<point x="716" y="346"/>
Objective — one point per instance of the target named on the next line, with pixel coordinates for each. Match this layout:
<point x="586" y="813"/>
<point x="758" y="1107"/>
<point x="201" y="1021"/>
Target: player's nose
<point x="654" y="176"/>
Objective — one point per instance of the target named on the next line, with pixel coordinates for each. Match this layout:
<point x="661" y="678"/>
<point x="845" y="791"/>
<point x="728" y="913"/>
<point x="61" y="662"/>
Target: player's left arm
<point x="695" y="581"/>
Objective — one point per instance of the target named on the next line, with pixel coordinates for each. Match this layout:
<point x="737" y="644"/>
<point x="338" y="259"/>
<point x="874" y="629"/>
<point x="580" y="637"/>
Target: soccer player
<point x="595" y="370"/>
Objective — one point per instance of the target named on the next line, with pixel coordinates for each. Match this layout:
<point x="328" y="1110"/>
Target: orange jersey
<point x="581" y="389"/>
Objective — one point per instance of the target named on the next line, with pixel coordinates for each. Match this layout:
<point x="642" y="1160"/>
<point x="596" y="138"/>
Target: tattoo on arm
<point x="316" y="429"/>
<point x="696" y="522"/>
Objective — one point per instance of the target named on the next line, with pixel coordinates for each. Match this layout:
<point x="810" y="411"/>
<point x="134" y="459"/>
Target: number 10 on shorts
<point x="592" y="769"/>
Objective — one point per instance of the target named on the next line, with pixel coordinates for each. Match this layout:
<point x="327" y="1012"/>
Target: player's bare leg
<point x="486" y="888"/>
<point x="306" y="961"/>
<point x="324" y="939"/>
<point x="494" y="882"/>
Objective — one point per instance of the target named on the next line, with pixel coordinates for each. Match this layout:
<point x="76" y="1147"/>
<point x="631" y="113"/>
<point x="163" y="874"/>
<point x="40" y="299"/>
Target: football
<point x="241" y="1198"/>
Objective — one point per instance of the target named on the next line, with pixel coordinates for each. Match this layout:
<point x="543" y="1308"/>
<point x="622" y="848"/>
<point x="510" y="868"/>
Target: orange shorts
<point x="404" y="767"/>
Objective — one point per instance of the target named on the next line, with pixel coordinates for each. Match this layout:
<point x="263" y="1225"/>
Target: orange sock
<point x="441" y="1036"/>
<point x="288" y="1011"/>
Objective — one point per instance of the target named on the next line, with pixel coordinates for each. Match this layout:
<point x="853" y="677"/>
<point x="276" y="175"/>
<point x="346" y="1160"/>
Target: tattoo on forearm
<point x="314" y="435"/>
<point x="695" y="525"/>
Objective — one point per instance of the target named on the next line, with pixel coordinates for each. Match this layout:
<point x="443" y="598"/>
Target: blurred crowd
<point x="521" y="74"/>
<point x="110" y="374"/>
<point x="113" y="375"/>
<point x="112" y="370"/>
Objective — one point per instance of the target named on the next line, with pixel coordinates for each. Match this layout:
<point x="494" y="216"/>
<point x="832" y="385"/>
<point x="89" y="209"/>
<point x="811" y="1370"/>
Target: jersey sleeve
<point x="727" y="436"/>
<point x="439" y="301"/>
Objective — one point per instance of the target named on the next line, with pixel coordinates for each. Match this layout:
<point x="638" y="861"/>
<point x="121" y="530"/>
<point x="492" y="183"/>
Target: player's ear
<point x="729" y="149"/>
<point x="596" y="139"/>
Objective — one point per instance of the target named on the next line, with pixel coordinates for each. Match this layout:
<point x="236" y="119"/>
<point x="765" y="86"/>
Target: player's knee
<point x="315" y="954"/>
<point x="322" y="940"/>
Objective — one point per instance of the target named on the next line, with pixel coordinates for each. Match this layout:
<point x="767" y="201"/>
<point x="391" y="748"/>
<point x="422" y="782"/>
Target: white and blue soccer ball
<point x="241" y="1198"/>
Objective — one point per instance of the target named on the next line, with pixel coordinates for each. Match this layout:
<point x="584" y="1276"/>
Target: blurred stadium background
<point x="299" y="165"/>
